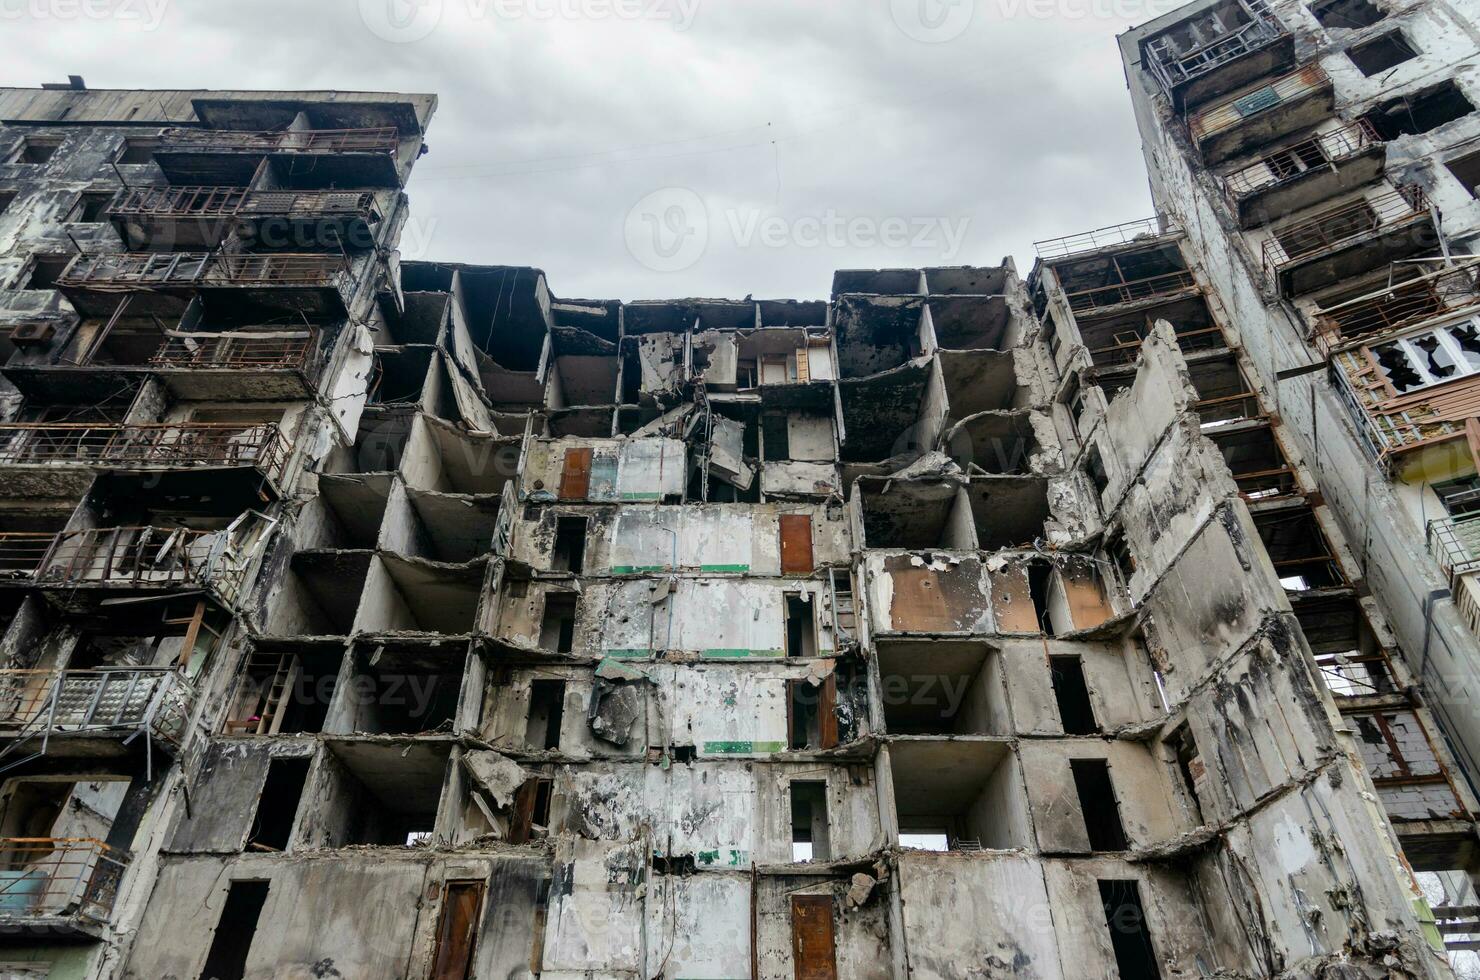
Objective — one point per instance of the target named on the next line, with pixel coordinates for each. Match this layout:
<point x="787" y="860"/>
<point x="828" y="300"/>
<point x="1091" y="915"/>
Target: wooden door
<point x="812" y="937"/>
<point x="457" y="930"/>
<point x="796" y="544"/>
<point x="575" y="479"/>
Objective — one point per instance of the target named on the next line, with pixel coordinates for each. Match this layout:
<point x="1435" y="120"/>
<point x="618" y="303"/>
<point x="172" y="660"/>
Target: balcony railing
<point x="383" y="140"/>
<point x="231" y="202"/>
<point x="239" y="351"/>
<point x="1331" y="229"/>
<point x="182" y="445"/>
<point x="1106" y="237"/>
<point x="1137" y="290"/>
<point x="1227" y="115"/>
<point x="1172" y="67"/>
<point x="113" y="699"/>
<point x="49" y="877"/>
<point x="1403" y="305"/>
<point x="1296" y="161"/>
<point x="1126" y="351"/>
<point x="126" y="270"/>
<point x="1455" y="543"/>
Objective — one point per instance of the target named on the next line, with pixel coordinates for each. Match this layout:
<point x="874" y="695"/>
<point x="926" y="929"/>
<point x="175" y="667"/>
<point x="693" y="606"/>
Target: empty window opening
<point x="811" y="714"/>
<point x="812" y="940"/>
<point x="1349" y="14"/>
<point x="1190" y="766"/>
<point x="92" y="206"/>
<point x="1040" y="578"/>
<point x="46" y="270"/>
<point x="1466" y="170"/>
<point x="546" y="712"/>
<point x="809" y="831"/>
<point x="1075" y="403"/>
<point x="558" y="628"/>
<point x="1420" y="112"/>
<point x="925" y="840"/>
<point x="570" y="545"/>
<point x="801" y="635"/>
<point x="1120" y="553"/>
<point x="1298" y="548"/>
<point x="457" y="930"/>
<point x="36" y="150"/>
<point x="277" y="807"/>
<point x="284" y="693"/>
<point x="775" y="438"/>
<point x="7" y="198"/>
<point x="232" y="940"/>
<point x="397" y="700"/>
<point x="531" y="810"/>
<point x="136" y="152"/>
<point x="1072" y="694"/>
<point x="1135" y="957"/>
<point x="1097" y="804"/>
<point x="1381" y="53"/>
<point x="1094" y="468"/>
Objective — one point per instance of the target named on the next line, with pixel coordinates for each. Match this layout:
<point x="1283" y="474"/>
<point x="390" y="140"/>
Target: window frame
<point x="1417" y="359"/>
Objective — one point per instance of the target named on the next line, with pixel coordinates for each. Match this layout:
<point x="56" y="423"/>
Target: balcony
<point x="1226" y="46"/>
<point x="1108" y="237"/>
<point x="65" y="887"/>
<point x="201" y="217"/>
<point x="133" y="558"/>
<point x="1349" y="240"/>
<point x="164" y="282"/>
<point x="1305" y="174"/>
<point x="326" y="157"/>
<point x="91" y="711"/>
<point x="1254" y="119"/>
<point x="61" y="458"/>
<point x="1148" y="292"/>
<point x="1403" y="305"/>
<point x="1455" y="544"/>
<point x="240" y="365"/>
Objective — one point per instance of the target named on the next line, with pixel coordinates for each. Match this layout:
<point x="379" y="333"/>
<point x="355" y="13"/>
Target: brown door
<point x="457" y="930"/>
<point x="796" y="544"/>
<point x="827" y="712"/>
<point x="575" y="480"/>
<point x="812" y="937"/>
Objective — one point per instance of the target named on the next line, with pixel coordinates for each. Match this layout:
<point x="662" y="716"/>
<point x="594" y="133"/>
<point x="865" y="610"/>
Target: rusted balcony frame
<point x="88" y="870"/>
<point x="238" y="351"/>
<point x="1086" y="242"/>
<point x="1335" y="146"/>
<point x="125" y="270"/>
<point x="1131" y="291"/>
<point x="1260" y="32"/>
<point x="1225" y="115"/>
<point x="183" y="444"/>
<point x="207" y="201"/>
<point x="1403" y="305"/>
<point x="1126" y="353"/>
<point x="378" y="140"/>
<point x="1406" y="203"/>
<point x="31" y="701"/>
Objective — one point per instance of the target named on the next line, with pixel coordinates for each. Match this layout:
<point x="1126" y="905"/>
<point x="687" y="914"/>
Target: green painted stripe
<point x="635" y="653"/>
<point x="640" y="496"/>
<point x="631" y="569"/>
<point x="724" y="568"/>
<point x="738" y="653"/>
<point x="742" y="747"/>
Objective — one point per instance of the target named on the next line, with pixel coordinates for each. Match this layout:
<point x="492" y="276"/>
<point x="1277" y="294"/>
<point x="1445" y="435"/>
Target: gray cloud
<point x="822" y="127"/>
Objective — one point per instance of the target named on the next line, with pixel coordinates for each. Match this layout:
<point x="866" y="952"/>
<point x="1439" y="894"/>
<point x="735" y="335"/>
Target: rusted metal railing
<point x="21" y="552"/>
<point x="1295" y="161"/>
<point x="48" y="877"/>
<point x="1403" y="305"/>
<point x="160" y="445"/>
<point x="1340" y="225"/>
<point x="1126" y="351"/>
<point x="228" y="202"/>
<point x="124" y="270"/>
<point x="1172" y="66"/>
<point x="242" y="350"/>
<point x="105" y="699"/>
<point x="1288" y="88"/>
<point x="381" y="140"/>
<point x="1106" y="237"/>
<point x="1169" y="284"/>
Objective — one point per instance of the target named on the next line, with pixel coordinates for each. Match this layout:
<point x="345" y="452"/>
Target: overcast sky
<point x="666" y="148"/>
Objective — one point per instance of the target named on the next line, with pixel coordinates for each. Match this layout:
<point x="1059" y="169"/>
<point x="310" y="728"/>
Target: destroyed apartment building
<point x="365" y="618"/>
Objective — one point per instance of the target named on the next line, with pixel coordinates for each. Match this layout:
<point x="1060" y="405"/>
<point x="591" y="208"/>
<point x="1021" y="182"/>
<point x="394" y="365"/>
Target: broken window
<point x="1347" y="13"/>
<point x="457" y="930"/>
<point x="1135" y="957"/>
<point x="775" y="438"/>
<point x="277" y="806"/>
<point x="1072" y="694"/>
<point x="136" y="152"/>
<point x="796" y="544"/>
<point x="1430" y="357"/>
<point x="46" y="270"/>
<point x="558" y="628"/>
<point x="811" y="714"/>
<point x="570" y="545"/>
<point x="1190" y="766"/>
<point x="1098" y="805"/>
<point x="1420" y="112"/>
<point x="1466" y="170"/>
<point x="546" y="713"/>
<point x="809" y="830"/>
<point x="91" y="207"/>
<point x="232" y="940"/>
<point x="1094" y="468"/>
<point x="1381" y="53"/>
<point x="801" y="633"/>
<point x="36" y="149"/>
<point x="812" y="941"/>
<point x="7" y="198"/>
<point x="1120" y="553"/>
